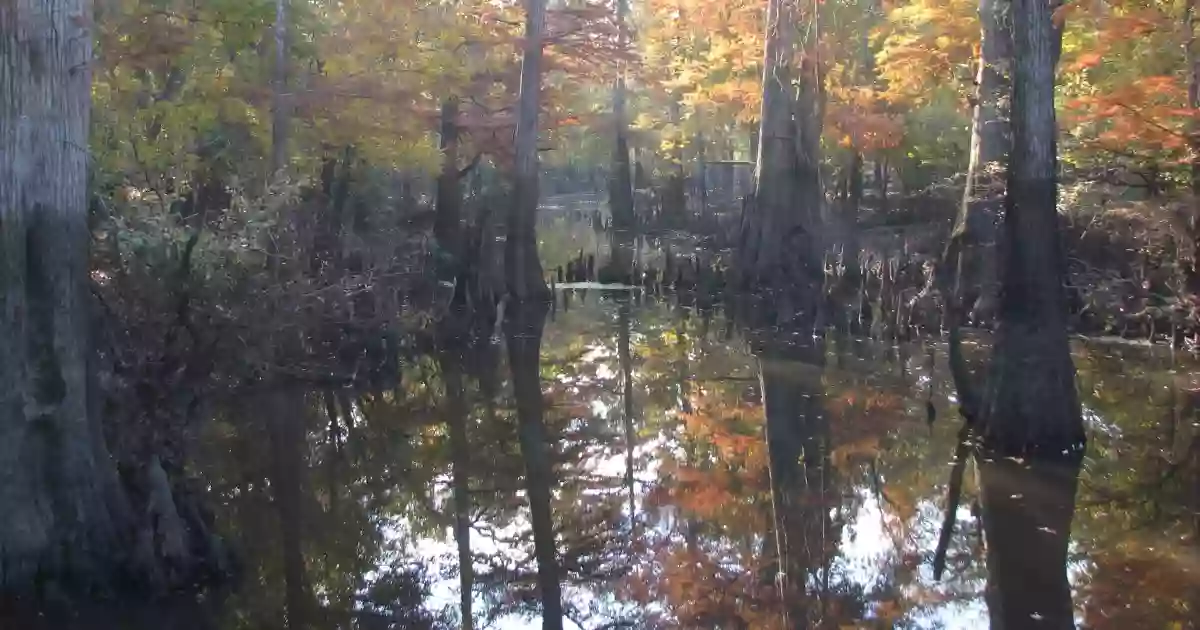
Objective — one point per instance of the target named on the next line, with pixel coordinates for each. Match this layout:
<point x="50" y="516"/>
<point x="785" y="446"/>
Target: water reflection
<point x="631" y="462"/>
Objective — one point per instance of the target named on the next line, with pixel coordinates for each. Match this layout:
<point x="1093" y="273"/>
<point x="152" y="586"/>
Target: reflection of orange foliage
<point x="700" y="591"/>
<point x="860" y="417"/>
<point x="724" y="474"/>
<point x="735" y="433"/>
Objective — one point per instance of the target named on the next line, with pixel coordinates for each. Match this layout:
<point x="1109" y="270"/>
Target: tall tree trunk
<point x="620" y="187"/>
<point x="447" y="226"/>
<point x="1032" y="407"/>
<point x="279" y="89"/>
<point x="1193" y="69"/>
<point x="971" y="260"/>
<point x="57" y="483"/>
<point x="524" y="269"/>
<point x="524" y="326"/>
<point x="782" y="254"/>
<point x="701" y="174"/>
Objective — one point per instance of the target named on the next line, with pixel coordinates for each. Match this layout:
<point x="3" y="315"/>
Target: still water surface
<point x="663" y="500"/>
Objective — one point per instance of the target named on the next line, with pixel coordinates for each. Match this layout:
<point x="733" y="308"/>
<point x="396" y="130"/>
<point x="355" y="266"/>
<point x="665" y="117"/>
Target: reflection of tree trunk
<point x="1027" y="512"/>
<point x="625" y="359"/>
<point x="797" y="432"/>
<point x="524" y="330"/>
<point x="460" y="449"/>
<point x="287" y="415"/>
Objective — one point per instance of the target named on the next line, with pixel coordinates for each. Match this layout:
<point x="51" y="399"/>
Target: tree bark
<point x="783" y="252"/>
<point x="447" y="226"/>
<point x="522" y="266"/>
<point x="620" y="187"/>
<point x="57" y="482"/>
<point x="1192" y="56"/>
<point x="279" y="88"/>
<point x="974" y="265"/>
<point x="524" y="326"/>
<point x="1031" y="406"/>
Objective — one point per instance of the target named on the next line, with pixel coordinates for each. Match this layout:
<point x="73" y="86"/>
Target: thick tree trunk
<point x="783" y="252"/>
<point x="57" y="483"/>
<point x="522" y="266"/>
<point x="620" y="186"/>
<point x="1031" y="407"/>
<point x="524" y="326"/>
<point x="279" y="90"/>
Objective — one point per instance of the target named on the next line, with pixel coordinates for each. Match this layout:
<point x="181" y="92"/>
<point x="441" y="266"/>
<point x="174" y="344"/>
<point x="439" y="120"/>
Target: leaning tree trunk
<point x="57" y="483"/>
<point x="973" y="243"/>
<point x="1031" y="404"/>
<point x="522" y="266"/>
<point x="781" y="253"/>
